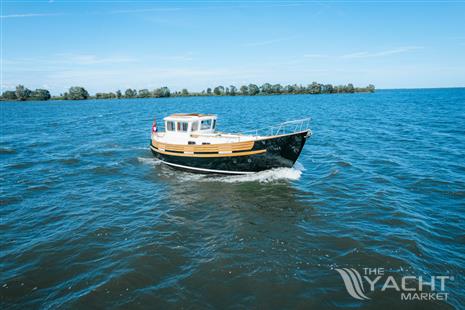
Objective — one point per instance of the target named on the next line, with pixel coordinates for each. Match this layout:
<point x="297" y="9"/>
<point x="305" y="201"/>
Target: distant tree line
<point x="22" y="93"/>
<point x="80" y="93"/>
<point x="278" y="89"/>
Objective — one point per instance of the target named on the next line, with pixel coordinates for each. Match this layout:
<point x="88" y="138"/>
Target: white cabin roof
<point x="186" y="117"/>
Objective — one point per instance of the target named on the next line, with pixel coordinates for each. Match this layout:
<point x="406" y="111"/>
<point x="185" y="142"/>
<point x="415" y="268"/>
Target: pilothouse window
<point x="182" y="126"/>
<point x="195" y="126"/>
<point x="170" y="126"/>
<point x="206" y="124"/>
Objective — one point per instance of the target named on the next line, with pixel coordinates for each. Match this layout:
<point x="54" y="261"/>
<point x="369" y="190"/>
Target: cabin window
<point x="214" y="124"/>
<point x="206" y="124"/>
<point x="195" y="126"/>
<point x="170" y="126"/>
<point x="182" y="126"/>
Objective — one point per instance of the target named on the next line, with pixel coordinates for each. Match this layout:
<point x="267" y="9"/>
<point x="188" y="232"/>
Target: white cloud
<point x="398" y="50"/>
<point x="29" y="15"/>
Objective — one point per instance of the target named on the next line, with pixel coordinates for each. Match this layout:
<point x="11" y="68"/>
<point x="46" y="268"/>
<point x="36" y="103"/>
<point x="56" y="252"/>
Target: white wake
<point x="267" y="176"/>
<point x="149" y="161"/>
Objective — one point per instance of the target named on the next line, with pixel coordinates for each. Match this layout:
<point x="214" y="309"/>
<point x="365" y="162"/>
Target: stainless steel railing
<point x="281" y="129"/>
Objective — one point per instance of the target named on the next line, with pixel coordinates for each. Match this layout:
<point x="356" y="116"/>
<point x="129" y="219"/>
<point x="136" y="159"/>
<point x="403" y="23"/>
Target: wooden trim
<point x="209" y="155"/>
<point x="205" y="148"/>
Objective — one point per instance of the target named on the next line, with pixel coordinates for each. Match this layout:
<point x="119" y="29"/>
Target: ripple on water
<point x="38" y="188"/>
<point x="69" y="161"/>
<point x="6" y="151"/>
<point x="21" y="165"/>
<point x="8" y="200"/>
<point x="107" y="169"/>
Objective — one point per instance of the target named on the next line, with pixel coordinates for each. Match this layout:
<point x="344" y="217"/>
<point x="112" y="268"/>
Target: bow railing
<point x="281" y="129"/>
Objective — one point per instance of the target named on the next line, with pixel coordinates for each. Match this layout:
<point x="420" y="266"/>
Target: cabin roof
<point x="189" y="116"/>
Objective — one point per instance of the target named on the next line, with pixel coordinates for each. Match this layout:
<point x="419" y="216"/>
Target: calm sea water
<point x="89" y="219"/>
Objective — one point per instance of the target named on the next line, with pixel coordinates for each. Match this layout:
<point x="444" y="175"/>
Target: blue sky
<point x="110" y="45"/>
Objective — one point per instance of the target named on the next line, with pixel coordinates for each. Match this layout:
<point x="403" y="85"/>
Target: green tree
<point x="130" y="93"/>
<point x="295" y="88"/>
<point x="22" y="93"/>
<point x="184" y="92"/>
<point x="162" y="92"/>
<point x="232" y="90"/>
<point x="219" y="90"/>
<point x="165" y="91"/>
<point x="277" y="89"/>
<point x="156" y="93"/>
<point x="77" y="93"/>
<point x="209" y="91"/>
<point x="350" y="88"/>
<point x="244" y="90"/>
<point x="144" y="93"/>
<point x="40" y="94"/>
<point x="266" y="88"/>
<point x="9" y="95"/>
<point x="118" y="94"/>
<point x="314" y="88"/>
<point x="253" y="89"/>
<point x="289" y="89"/>
<point x="327" y="89"/>
<point x="371" y="88"/>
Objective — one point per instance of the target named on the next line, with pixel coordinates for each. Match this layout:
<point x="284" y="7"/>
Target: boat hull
<point x="271" y="152"/>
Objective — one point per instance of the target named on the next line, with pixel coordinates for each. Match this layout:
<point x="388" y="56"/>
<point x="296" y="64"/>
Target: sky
<point x="109" y="45"/>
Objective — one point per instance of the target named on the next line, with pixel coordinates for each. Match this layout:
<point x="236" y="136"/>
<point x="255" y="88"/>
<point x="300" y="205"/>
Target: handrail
<point x="282" y="128"/>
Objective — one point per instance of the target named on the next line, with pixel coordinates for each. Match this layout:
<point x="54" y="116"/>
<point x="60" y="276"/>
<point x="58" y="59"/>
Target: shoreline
<point x="238" y="95"/>
<point x="190" y="96"/>
<point x="22" y="93"/>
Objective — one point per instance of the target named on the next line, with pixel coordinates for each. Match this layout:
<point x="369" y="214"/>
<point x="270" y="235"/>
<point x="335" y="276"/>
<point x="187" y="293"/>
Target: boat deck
<point x="210" y="138"/>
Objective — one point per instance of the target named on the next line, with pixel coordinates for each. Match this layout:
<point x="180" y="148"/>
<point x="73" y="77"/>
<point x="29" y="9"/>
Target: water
<point x="89" y="219"/>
